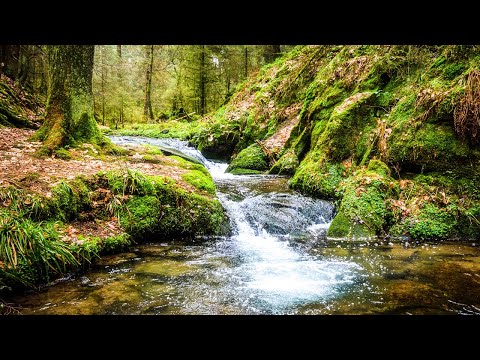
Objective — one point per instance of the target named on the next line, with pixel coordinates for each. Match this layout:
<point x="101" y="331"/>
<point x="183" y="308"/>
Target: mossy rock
<point x="252" y="158"/>
<point x="342" y="227"/>
<point x="286" y="165"/>
<point x="158" y="205"/>
<point x="364" y="211"/>
<point x="240" y="171"/>
<point x="318" y="178"/>
<point x="142" y="217"/>
<point x="63" y="154"/>
<point x="378" y="167"/>
<point x="432" y="147"/>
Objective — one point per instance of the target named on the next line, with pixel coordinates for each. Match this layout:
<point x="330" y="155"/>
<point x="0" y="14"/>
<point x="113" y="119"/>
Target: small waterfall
<point x="268" y="219"/>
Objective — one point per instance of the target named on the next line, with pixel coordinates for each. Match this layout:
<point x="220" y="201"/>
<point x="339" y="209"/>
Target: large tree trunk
<point x="69" y="119"/>
<point x="147" y="109"/>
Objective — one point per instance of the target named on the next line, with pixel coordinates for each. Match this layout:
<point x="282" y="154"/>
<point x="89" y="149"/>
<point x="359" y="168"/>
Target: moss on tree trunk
<point x="69" y="119"/>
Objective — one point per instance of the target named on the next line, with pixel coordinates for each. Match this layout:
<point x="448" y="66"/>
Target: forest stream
<point x="277" y="261"/>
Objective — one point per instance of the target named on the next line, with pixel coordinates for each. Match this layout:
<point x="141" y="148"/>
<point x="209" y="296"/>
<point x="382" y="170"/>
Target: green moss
<point x="378" y="167"/>
<point x="342" y="227"/>
<point x="167" y="209"/>
<point x="69" y="200"/>
<point x="364" y="209"/>
<point x="348" y="119"/>
<point x="42" y="151"/>
<point x="130" y="182"/>
<point x="152" y="159"/>
<point x="85" y="129"/>
<point x="431" y="223"/>
<point x="142" y="217"/>
<point x="448" y="207"/>
<point x="63" y="154"/>
<point x="152" y="150"/>
<point x="111" y="149"/>
<point x="287" y="164"/>
<point x="452" y="70"/>
<point x="189" y="165"/>
<point x="200" y="180"/>
<point x="240" y="171"/>
<point x="115" y="244"/>
<point x="252" y="158"/>
<point x="318" y="178"/>
<point x="431" y="147"/>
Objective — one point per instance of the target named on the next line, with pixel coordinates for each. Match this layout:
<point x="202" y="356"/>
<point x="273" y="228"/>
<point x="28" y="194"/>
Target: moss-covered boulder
<point x="286" y="164"/>
<point x="250" y="160"/>
<point x="364" y="210"/>
<point x="319" y="179"/>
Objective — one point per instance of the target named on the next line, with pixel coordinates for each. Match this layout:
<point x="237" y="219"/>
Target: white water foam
<point x="271" y="275"/>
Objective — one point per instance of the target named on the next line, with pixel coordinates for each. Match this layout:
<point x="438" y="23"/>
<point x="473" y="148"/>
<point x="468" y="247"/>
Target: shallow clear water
<point x="277" y="261"/>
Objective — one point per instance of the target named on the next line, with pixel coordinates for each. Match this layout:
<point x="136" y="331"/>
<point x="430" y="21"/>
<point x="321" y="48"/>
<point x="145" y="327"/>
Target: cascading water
<point x="277" y="261"/>
<point x="271" y="273"/>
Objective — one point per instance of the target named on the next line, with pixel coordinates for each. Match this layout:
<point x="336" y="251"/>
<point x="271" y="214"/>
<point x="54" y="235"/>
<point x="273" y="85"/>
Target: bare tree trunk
<point x="147" y="109"/>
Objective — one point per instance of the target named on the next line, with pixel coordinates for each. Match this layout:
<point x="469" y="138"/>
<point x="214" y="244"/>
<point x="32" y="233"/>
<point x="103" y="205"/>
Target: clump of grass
<point x="467" y="112"/>
<point x="130" y="182"/>
<point x="31" y="250"/>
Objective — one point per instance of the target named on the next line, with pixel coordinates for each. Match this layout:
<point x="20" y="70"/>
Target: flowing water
<point x="278" y="261"/>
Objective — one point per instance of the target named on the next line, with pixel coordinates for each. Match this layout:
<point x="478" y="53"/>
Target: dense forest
<point x="388" y="133"/>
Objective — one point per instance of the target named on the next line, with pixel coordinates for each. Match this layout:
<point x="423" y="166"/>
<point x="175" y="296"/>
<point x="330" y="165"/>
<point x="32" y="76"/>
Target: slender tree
<point x="69" y="118"/>
<point x="120" y="81"/>
<point x="103" y="80"/>
<point x="202" y="82"/>
<point x="147" y="109"/>
<point x="246" y="61"/>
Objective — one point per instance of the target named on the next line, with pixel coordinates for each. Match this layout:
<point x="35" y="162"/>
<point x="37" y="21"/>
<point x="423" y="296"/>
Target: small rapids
<point x="270" y="274"/>
<point x="277" y="261"/>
